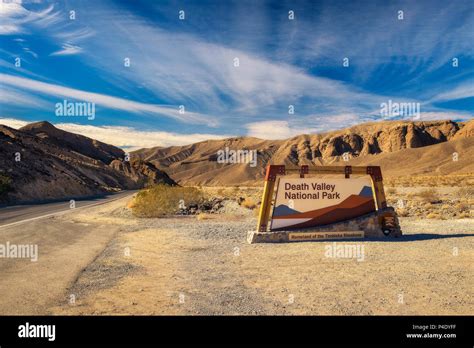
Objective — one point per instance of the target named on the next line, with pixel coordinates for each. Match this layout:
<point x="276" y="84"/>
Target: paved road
<point x="33" y="285"/>
<point x="14" y="215"/>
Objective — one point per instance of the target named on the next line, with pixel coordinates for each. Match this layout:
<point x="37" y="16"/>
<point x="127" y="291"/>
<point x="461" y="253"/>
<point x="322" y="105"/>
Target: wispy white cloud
<point x="276" y="130"/>
<point x="29" y="51"/>
<point x="74" y="34"/>
<point x="6" y="29"/>
<point x="13" y="96"/>
<point x="310" y="124"/>
<point x="314" y="124"/>
<point x="104" y="100"/>
<point x="132" y="139"/>
<point x="186" y="69"/>
<point x="13" y="123"/>
<point x="10" y="11"/>
<point x="445" y="115"/>
<point x="429" y="36"/>
<point x="460" y="92"/>
<point x="66" y="50"/>
<point x="15" y="18"/>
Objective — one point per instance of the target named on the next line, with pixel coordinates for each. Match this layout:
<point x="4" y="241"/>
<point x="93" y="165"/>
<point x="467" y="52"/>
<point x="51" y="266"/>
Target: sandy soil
<point x="185" y="266"/>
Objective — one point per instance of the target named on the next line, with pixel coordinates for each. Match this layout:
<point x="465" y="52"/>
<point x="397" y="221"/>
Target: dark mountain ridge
<point x="40" y="162"/>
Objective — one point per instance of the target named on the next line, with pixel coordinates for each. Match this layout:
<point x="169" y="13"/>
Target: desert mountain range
<point x="401" y="148"/>
<point x="57" y="164"/>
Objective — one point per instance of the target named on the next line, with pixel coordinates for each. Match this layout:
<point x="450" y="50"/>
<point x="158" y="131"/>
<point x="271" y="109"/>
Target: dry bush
<point x="131" y="203"/>
<point x="162" y="200"/>
<point x="446" y="207"/>
<point x="429" y="195"/>
<point x="248" y="203"/>
<point x="433" y="216"/>
<point x="204" y="216"/>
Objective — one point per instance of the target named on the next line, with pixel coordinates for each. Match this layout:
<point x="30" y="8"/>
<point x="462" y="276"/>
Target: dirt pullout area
<point x="204" y="266"/>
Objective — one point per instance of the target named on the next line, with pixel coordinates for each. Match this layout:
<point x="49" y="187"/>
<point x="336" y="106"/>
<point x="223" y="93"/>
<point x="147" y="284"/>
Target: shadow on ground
<point x="420" y="236"/>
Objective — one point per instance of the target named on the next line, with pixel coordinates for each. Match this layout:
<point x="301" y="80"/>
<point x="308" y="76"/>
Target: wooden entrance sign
<point x="327" y="208"/>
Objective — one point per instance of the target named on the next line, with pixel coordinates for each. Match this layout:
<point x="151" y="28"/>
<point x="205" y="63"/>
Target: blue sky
<point x="190" y="62"/>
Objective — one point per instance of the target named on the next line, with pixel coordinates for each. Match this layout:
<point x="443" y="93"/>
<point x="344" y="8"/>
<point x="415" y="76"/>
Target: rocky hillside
<point x="74" y="142"/>
<point x="141" y="172"/>
<point x="40" y="162"/>
<point x="197" y="163"/>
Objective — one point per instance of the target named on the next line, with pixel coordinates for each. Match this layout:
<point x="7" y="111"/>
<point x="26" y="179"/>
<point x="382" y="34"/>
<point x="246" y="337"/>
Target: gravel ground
<point x="185" y="266"/>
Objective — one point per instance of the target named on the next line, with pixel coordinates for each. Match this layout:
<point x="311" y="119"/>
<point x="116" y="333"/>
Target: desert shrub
<point x="163" y="200"/>
<point x="131" y="203"/>
<point x="433" y="216"/>
<point x="248" y="203"/>
<point x="204" y="216"/>
<point x="446" y="207"/>
<point x="429" y="195"/>
<point x="5" y="184"/>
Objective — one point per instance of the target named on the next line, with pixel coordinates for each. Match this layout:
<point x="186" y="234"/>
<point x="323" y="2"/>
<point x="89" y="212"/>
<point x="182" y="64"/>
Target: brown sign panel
<point x="310" y="202"/>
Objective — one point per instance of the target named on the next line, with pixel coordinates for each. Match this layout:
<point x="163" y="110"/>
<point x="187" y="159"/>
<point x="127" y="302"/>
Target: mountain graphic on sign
<point x="352" y="207"/>
<point x="366" y="191"/>
<point x="282" y="210"/>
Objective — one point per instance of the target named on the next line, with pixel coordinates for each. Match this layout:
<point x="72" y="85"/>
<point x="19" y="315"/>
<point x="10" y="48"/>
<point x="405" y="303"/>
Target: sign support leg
<point x="266" y="205"/>
<point x="268" y="189"/>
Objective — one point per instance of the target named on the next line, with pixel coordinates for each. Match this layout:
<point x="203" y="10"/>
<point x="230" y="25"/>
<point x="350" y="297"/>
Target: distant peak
<point x="38" y="125"/>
